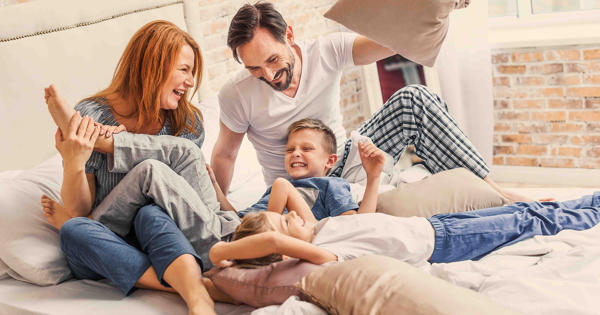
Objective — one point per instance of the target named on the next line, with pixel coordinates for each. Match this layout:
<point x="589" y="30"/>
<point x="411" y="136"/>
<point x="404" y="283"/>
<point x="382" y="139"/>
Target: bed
<point x="76" y="46"/>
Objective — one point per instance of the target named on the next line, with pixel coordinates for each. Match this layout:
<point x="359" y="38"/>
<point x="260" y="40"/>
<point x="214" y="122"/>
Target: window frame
<point x="544" y="29"/>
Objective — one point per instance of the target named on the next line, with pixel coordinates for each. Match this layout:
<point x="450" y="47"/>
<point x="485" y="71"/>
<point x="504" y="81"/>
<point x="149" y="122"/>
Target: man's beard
<point x="288" y="71"/>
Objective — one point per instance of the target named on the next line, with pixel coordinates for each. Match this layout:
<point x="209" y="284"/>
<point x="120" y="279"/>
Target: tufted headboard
<point x="75" y="45"/>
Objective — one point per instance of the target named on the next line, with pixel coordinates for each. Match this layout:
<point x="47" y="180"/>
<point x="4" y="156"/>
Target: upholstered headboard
<point x="75" y="45"/>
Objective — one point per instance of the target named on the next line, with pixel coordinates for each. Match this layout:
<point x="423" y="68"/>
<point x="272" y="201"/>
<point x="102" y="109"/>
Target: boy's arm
<point x="373" y="160"/>
<point x="267" y="243"/>
<point x="221" y="198"/>
<point x="285" y="195"/>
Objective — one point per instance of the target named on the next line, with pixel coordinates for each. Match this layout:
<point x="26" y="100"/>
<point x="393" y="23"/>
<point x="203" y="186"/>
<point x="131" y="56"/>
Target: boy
<point x="310" y="154"/>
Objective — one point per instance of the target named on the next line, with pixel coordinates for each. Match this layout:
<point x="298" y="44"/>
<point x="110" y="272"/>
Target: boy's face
<point x="306" y="156"/>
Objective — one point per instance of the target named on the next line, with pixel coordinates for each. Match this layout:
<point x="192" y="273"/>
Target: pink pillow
<point x="268" y="285"/>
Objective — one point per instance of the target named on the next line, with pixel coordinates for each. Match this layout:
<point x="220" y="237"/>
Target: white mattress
<point x="545" y="275"/>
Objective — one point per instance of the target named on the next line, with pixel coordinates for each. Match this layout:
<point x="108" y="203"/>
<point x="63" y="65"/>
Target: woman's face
<point x="180" y="79"/>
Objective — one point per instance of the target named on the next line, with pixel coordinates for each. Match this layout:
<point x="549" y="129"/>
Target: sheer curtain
<point x="464" y="70"/>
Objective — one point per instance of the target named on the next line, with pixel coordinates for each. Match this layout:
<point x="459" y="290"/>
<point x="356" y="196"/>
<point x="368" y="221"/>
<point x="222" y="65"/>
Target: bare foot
<point x="60" y="111"/>
<point x="54" y="212"/>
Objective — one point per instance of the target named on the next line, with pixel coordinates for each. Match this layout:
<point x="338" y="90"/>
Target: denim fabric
<point x="471" y="235"/>
<point x="95" y="252"/>
<point x="326" y="196"/>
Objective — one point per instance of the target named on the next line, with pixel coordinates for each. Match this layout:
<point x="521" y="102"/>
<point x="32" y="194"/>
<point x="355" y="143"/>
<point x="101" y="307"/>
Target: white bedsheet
<point x="544" y="275"/>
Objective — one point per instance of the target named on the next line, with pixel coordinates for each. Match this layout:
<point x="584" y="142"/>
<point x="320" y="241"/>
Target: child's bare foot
<point x="60" y="111"/>
<point x="54" y="212"/>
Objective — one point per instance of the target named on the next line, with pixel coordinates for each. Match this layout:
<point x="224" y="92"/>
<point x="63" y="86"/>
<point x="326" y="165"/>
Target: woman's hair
<point x="254" y="223"/>
<point x="143" y="70"/>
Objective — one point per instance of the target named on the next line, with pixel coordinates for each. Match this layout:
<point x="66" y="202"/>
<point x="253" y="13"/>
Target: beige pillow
<point x="414" y="29"/>
<point x="383" y="285"/>
<point x="449" y="191"/>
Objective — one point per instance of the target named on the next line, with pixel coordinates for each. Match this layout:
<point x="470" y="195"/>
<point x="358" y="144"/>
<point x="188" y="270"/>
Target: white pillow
<point x="29" y="249"/>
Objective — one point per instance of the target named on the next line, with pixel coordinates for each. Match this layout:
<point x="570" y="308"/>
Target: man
<point x="287" y="80"/>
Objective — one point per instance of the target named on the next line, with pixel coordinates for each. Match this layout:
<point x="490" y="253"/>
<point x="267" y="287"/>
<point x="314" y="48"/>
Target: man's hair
<point x="254" y="223"/>
<point x="315" y="124"/>
<point x="250" y="17"/>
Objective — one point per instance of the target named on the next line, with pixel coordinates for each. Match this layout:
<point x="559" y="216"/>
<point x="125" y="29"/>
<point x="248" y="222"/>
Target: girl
<point x="263" y="237"/>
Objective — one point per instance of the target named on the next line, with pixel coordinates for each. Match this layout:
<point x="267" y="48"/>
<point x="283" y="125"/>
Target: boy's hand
<point x="372" y="158"/>
<point x="77" y="144"/>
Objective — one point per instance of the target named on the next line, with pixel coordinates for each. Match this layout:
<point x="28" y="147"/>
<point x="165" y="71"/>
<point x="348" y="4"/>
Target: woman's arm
<point x="75" y="147"/>
<point x="267" y="243"/>
<point x="285" y="195"/>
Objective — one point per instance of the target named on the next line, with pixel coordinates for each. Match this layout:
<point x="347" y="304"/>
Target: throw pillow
<point x="449" y="191"/>
<point x="268" y="285"/>
<point x="414" y="29"/>
<point x="383" y="285"/>
<point x="28" y="243"/>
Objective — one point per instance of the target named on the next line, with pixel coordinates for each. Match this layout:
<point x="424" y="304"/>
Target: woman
<point x="148" y="95"/>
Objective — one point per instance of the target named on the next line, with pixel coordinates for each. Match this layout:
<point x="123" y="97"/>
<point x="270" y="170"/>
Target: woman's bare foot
<point x="60" y="111"/>
<point x="54" y="212"/>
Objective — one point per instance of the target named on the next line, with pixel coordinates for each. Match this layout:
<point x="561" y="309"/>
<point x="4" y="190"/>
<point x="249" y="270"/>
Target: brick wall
<point x="306" y="18"/>
<point x="546" y="105"/>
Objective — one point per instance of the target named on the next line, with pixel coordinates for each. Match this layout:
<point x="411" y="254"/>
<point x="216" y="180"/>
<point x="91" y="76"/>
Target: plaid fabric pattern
<point x="415" y="115"/>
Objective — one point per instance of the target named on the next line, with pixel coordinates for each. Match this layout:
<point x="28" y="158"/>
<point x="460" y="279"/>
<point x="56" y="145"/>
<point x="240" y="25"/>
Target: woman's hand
<point x="76" y="144"/>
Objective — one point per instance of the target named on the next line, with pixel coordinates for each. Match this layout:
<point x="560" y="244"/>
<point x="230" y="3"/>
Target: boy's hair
<point x="250" y="17"/>
<point x="254" y="223"/>
<point x="315" y="124"/>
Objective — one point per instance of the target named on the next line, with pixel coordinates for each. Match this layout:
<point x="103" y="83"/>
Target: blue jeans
<point x="471" y="235"/>
<point x="94" y="252"/>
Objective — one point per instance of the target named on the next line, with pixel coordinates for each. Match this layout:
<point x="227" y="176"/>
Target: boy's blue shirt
<point x="326" y="196"/>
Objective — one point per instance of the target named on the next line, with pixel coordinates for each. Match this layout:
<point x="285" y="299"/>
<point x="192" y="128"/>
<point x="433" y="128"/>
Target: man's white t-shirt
<point x="251" y="106"/>
<point x="409" y="239"/>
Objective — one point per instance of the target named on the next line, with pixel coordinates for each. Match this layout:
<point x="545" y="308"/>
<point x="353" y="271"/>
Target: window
<point x="519" y="23"/>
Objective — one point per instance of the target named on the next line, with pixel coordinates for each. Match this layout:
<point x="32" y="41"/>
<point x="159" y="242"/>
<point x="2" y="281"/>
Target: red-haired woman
<point x="148" y="95"/>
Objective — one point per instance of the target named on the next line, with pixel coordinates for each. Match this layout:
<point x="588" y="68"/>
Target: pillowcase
<point x="449" y="191"/>
<point x="29" y="249"/>
<point x="414" y="29"/>
<point x="383" y="285"/>
<point x="268" y="285"/>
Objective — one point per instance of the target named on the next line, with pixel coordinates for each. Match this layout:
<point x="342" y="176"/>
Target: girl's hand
<point x="372" y="158"/>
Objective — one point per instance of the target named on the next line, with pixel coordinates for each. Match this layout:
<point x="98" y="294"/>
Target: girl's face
<point x="291" y="224"/>
<point x="181" y="78"/>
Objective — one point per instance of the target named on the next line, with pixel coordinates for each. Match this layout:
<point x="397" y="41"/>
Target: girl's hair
<point x="143" y="70"/>
<point x="254" y="223"/>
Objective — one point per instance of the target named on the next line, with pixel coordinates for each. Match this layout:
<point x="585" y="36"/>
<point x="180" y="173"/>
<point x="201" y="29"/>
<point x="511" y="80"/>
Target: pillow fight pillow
<point x="268" y="285"/>
<point x="29" y="248"/>
<point x="383" y="285"/>
<point x="414" y="29"/>
<point x="449" y="191"/>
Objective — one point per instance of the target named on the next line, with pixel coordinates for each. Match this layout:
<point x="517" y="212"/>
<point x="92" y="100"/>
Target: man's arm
<point x="224" y="155"/>
<point x="366" y="51"/>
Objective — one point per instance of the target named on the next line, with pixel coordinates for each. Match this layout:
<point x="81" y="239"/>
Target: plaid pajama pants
<point x="415" y="115"/>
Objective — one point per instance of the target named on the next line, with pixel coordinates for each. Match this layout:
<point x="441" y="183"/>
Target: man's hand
<point x="372" y="158"/>
<point x="77" y="144"/>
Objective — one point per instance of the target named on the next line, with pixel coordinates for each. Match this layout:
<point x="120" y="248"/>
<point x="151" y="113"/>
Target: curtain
<point x="464" y="70"/>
